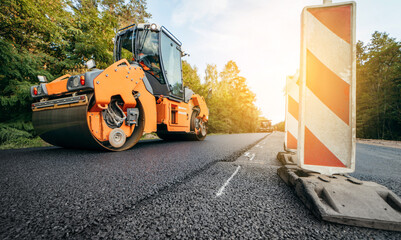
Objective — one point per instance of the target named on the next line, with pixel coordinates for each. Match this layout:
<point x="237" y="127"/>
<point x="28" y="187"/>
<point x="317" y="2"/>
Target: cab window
<point x="147" y="53"/>
<point x="171" y="58"/>
<point x="124" y="50"/>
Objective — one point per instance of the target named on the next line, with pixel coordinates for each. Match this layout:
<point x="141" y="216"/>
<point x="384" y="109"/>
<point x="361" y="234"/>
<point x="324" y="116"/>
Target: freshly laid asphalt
<point x="54" y="192"/>
<point x="379" y="164"/>
<point x="170" y="190"/>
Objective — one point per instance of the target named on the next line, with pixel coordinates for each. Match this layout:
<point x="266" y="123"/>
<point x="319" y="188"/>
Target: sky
<point x="261" y="36"/>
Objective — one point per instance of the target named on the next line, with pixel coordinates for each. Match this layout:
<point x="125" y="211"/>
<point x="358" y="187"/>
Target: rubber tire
<point x="194" y="136"/>
<point x="181" y="136"/>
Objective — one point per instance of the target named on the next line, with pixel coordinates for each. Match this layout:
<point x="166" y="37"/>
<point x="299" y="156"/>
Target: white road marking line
<point x="220" y="192"/>
<point x="252" y="157"/>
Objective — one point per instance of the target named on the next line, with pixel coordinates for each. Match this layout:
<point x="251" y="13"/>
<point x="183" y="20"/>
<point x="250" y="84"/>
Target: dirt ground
<point x="379" y="142"/>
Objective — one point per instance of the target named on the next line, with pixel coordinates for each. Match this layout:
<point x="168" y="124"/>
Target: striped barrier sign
<point x="326" y="137"/>
<point x="291" y="113"/>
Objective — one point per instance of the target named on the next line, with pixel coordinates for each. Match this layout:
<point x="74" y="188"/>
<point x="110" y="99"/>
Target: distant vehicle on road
<point x="265" y="125"/>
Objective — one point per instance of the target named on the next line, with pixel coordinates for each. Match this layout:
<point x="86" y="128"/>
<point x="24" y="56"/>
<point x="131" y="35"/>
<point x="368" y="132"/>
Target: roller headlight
<point x="75" y="81"/>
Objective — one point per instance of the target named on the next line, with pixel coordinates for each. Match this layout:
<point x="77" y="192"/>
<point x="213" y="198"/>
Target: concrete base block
<point x="287" y="158"/>
<point x="344" y="199"/>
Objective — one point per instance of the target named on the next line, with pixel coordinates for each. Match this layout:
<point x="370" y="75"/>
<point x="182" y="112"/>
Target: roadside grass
<point x="211" y="134"/>
<point x="23" y="143"/>
<point x="147" y="136"/>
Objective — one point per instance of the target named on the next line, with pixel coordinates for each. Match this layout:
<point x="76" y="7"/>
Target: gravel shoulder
<point x="380" y="142"/>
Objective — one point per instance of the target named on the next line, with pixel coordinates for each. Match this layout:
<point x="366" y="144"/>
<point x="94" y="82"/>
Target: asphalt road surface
<point x="218" y="188"/>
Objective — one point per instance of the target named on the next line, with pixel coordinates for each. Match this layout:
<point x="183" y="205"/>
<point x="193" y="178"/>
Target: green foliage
<point x="280" y="126"/>
<point x="23" y="142"/>
<point x="379" y="88"/>
<point x="17" y="73"/>
<point x="7" y="133"/>
<point x="38" y="37"/>
<point x="18" y="134"/>
<point x="231" y="103"/>
<point x="192" y="80"/>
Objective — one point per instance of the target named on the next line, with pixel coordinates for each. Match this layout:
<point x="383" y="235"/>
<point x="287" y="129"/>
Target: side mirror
<point x="183" y="54"/>
<point x="90" y="64"/>
<point x="42" y="79"/>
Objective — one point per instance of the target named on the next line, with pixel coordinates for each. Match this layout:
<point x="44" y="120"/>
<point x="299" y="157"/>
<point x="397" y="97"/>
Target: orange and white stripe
<point x="291" y="113"/>
<point x="327" y="98"/>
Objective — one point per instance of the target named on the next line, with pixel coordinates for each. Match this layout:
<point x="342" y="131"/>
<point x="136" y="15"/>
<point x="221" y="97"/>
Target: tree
<point x="280" y="126"/>
<point x="379" y="88"/>
<point x="211" y="75"/>
<point x="39" y="37"/>
<point x="233" y="103"/>
<point x="191" y="79"/>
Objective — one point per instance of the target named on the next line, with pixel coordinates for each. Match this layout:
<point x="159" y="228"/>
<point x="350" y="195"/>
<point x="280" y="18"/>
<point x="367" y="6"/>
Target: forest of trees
<point x="38" y="37"/>
<point x="378" y="97"/>
<point x="231" y="104"/>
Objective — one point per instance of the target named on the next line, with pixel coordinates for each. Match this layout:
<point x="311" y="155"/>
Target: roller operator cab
<point x="142" y="92"/>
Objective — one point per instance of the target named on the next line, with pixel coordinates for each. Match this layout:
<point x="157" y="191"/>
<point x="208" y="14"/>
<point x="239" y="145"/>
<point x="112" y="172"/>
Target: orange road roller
<point x="142" y="92"/>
